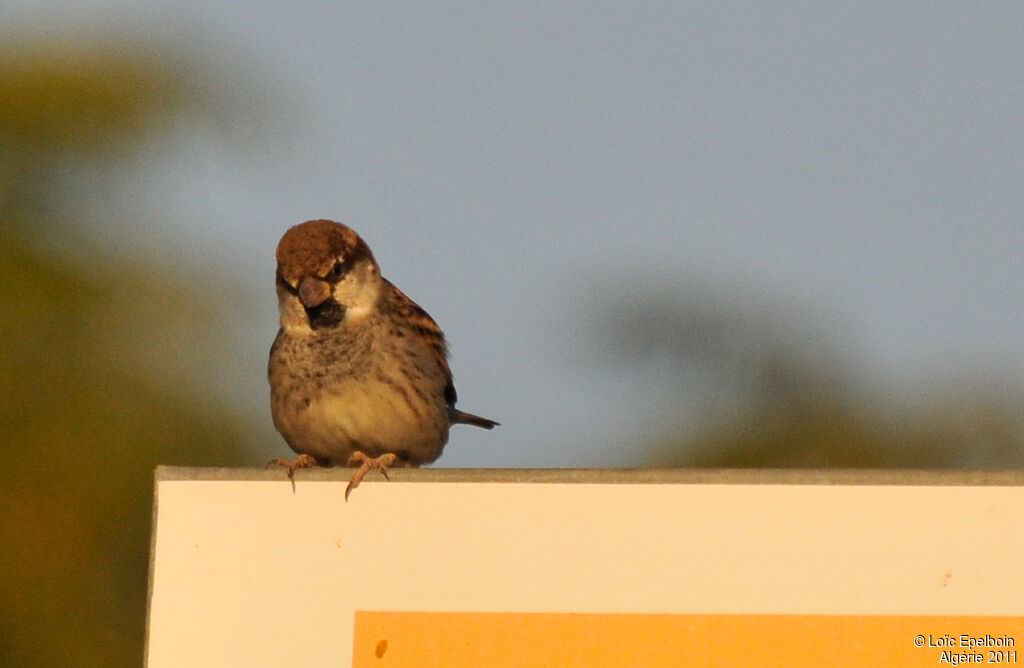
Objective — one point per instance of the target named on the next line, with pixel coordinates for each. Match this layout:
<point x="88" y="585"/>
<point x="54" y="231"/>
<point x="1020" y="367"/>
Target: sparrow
<point x="358" y="372"/>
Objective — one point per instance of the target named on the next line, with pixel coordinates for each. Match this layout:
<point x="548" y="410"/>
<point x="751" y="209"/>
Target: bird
<point x="358" y="372"/>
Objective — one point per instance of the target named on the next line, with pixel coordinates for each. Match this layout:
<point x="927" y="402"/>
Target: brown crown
<point x="311" y="248"/>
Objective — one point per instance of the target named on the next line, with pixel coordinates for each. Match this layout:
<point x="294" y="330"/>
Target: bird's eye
<point x="337" y="271"/>
<point x="285" y="284"/>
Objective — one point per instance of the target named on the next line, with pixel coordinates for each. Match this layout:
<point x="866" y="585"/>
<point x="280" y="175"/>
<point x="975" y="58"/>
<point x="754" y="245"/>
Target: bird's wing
<point x="424" y="330"/>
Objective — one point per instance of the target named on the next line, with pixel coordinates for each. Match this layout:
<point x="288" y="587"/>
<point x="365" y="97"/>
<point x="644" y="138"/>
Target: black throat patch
<point x="327" y="315"/>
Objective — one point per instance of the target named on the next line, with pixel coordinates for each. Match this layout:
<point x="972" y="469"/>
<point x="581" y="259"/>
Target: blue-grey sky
<point x="509" y="165"/>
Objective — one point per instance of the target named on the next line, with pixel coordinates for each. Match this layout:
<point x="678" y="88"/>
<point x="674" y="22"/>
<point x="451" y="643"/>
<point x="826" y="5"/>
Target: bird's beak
<point x="313" y="291"/>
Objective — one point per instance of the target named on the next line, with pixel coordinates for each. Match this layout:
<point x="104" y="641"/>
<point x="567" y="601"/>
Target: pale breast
<point x="376" y="418"/>
<point x="358" y="397"/>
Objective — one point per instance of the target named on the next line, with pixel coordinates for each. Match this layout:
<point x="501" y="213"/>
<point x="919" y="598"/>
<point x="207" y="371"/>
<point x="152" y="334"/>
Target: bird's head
<point x="326" y="276"/>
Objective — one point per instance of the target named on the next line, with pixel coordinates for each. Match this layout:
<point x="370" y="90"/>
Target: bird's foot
<point x="367" y="464"/>
<point x="300" y="462"/>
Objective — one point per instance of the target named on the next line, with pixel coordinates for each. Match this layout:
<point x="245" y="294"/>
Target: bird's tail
<point x="455" y="416"/>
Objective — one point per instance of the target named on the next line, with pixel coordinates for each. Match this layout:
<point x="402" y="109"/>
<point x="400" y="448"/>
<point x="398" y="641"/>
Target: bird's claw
<point x="367" y="464"/>
<point x="300" y="462"/>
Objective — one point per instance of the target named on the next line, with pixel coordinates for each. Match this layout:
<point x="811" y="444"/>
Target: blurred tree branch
<point x="82" y="422"/>
<point x="783" y="394"/>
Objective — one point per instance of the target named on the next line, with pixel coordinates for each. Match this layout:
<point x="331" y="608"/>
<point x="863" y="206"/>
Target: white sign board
<point x="587" y="568"/>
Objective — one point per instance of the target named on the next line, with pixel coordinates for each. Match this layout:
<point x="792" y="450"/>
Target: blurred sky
<point x="520" y="170"/>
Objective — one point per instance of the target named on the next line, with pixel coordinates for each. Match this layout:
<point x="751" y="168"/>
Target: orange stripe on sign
<point x="567" y="639"/>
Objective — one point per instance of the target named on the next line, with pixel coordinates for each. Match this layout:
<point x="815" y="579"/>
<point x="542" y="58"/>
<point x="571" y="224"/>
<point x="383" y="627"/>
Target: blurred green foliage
<point x="83" y="420"/>
<point x="778" y="392"/>
<point x="60" y="101"/>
